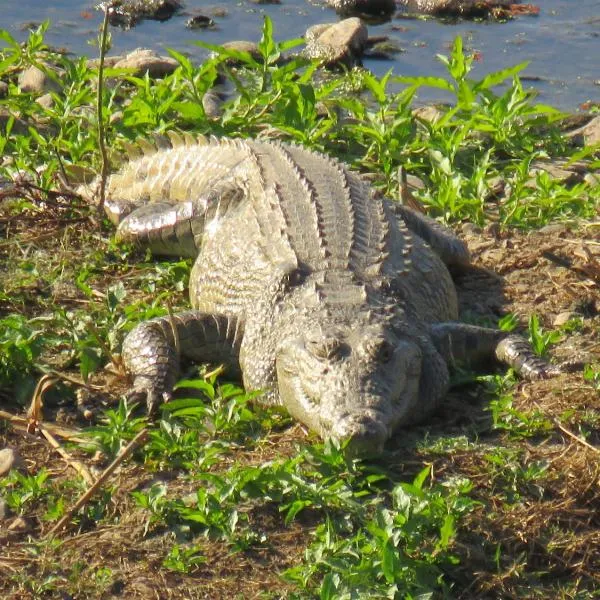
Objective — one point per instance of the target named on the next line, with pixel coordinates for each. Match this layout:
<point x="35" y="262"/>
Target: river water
<point x="562" y="43"/>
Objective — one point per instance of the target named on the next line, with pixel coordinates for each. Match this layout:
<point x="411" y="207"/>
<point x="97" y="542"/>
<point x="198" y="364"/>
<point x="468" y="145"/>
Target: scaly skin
<point x="328" y="300"/>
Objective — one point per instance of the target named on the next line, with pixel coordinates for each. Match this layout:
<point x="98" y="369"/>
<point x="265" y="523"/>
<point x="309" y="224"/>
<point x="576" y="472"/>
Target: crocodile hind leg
<point x="469" y="344"/>
<point x="441" y="239"/>
<point x="152" y="351"/>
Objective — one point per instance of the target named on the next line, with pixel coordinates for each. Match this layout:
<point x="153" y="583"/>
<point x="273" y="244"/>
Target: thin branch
<point x="99" y="108"/>
<point x="135" y="442"/>
<point x="75" y="464"/>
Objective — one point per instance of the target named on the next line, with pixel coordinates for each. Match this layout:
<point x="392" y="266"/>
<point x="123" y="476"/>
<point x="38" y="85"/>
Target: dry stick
<point x="575" y="437"/>
<point x="22" y="423"/>
<point x="78" y="466"/>
<point x="570" y="433"/>
<point x="138" y="439"/>
<point x="99" y="107"/>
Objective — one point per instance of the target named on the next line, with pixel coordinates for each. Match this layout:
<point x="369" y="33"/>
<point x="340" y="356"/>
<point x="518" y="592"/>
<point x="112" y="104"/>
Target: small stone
<point x="3" y="509"/>
<point x="242" y="46"/>
<point x="212" y="102"/>
<point x="589" y="134"/>
<point x="592" y="178"/>
<point x="35" y="81"/>
<point x="10" y="459"/>
<point x="199" y="22"/>
<point x="3" y="89"/>
<point x="20" y="524"/>
<point x="46" y="101"/>
<point x="429" y="114"/>
<point x="470" y="229"/>
<point x="143" y="60"/>
<point x="374" y="8"/>
<point x="554" y="229"/>
<point x="564" y="317"/>
<point x="337" y="43"/>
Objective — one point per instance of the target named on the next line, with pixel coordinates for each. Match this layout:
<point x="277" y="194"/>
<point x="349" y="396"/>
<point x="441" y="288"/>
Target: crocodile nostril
<point x="363" y="435"/>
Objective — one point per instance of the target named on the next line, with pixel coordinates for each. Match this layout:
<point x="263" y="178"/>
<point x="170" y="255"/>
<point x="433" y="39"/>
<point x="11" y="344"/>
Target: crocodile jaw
<point x="353" y="400"/>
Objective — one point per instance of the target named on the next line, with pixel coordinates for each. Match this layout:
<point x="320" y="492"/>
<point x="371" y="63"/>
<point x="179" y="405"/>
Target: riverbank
<point x="560" y="41"/>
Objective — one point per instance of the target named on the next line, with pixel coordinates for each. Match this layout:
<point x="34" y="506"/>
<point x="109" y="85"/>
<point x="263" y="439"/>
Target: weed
<point x="183" y="560"/>
<point x="540" y="340"/>
<point x="119" y="428"/>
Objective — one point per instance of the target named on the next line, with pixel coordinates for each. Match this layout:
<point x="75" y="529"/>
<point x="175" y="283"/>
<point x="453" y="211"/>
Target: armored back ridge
<point x="327" y="300"/>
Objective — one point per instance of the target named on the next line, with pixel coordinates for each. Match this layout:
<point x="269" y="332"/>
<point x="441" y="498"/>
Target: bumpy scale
<point x="334" y="303"/>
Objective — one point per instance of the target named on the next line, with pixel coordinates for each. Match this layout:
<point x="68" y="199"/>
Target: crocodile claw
<point x="153" y="398"/>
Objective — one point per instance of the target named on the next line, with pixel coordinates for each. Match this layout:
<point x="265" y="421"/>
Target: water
<point x="562" y="43"/>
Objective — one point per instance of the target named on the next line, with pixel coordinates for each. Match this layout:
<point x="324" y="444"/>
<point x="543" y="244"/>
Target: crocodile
<point x="326" y="298"/>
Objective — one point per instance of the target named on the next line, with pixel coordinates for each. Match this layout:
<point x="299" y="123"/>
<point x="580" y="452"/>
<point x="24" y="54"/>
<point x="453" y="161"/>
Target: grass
<point x="492" y="499"/>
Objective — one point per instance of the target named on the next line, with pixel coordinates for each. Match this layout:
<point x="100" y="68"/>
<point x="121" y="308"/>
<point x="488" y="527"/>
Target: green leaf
<point x="447" y="531"/>
<point x="190" y="111"/>
<point x="498" y="77"/>
<point x="389" y="560"/>
<point x="436" y="82"/>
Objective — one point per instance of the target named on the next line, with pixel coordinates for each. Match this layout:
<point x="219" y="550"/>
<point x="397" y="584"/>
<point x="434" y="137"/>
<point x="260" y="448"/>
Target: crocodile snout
<point x="365" y="433"/>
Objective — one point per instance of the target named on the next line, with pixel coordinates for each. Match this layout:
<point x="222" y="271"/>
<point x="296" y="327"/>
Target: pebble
<point x="337" y="43"/>
<point x="3" y="509"/>
<point x="564" y="317"/>
<point x="143" y="60"/>
<point x="36" y="81"/>
<point x="20" y="524"/>
<point x="364" y="7"/>
<point x="9" y="459"/>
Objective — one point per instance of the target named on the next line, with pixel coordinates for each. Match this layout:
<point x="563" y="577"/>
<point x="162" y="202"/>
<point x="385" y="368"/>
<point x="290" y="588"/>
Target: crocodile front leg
<point x="153" y="350"/>
<point x="470" y="344"/>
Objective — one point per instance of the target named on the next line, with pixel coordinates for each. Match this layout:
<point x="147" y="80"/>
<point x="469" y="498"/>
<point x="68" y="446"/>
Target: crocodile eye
<point x="328" y="348"/>
<point x="379" y="349"/>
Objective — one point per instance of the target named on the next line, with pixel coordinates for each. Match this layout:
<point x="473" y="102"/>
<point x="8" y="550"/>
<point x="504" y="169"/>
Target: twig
<point x="136" y="441"/>
<point x="575" y="437"/>
<point x="99" y="108"/>
<point x="22" y="422"/>
<point x="78" y="466"/>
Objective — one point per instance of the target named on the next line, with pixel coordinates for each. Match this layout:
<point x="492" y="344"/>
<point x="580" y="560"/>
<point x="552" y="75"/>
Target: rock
<point x="470" y="229"/>
<point x="3" y="509"/>
<point x="128" y="13"/>
<point x="109" y="61"/>
<point x="370" y="8"/>
<point x="242" y="46"/>
<point x="3" y="89"/>
<point x="557" y="169"/>
<point x="338" y="43"/>
<point x="199" y="22"/>
<point x="143" y="60"/>
<point x="19" y="127"/>
<point x="564" y="317"/>
<point x="460" y="8"/>
<point x="212" y="102"/>
<point x="10" y="459"/>
<point x="589" y="134"/>
<point x="46" y="101"/>
<point x="554" y="229"/>
<point x="592" y="178"/>
<point x="384" y="49"/>
<point x="430" y="113"/>
<point x="20" y="524"/>
<point x="35" y="81"/>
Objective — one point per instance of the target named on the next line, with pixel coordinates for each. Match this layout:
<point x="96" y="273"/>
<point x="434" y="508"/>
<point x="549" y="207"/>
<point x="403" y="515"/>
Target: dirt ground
<point x="554" y="273"/>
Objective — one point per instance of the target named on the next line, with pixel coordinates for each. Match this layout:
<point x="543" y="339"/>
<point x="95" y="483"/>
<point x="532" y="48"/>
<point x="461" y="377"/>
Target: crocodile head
<point x="352" y="382"/>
